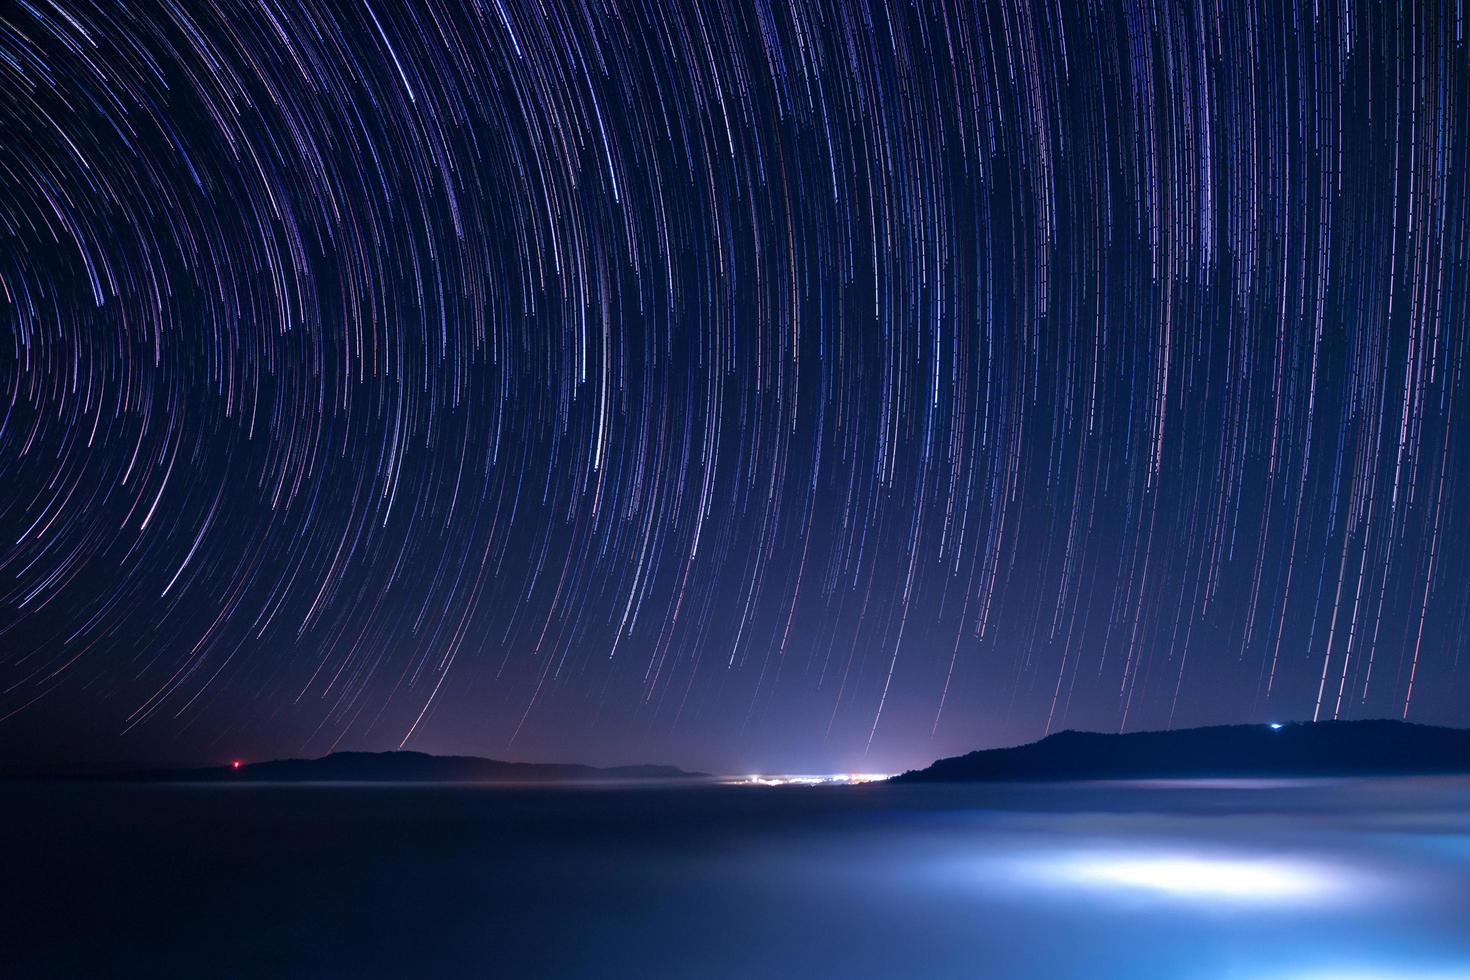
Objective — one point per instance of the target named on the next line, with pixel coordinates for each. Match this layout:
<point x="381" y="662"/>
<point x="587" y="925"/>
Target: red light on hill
<point x="235" y="764"/>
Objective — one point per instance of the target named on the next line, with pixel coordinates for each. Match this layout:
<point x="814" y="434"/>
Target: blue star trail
<point x="725" y="382"/>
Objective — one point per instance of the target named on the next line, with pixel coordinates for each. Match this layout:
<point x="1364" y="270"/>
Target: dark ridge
<point x="374" y="767"/>
<point x="1327" y="748"/>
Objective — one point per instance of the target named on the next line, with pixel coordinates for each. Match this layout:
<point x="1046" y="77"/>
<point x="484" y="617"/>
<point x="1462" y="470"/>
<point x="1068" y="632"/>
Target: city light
<point x="831" y="779"/>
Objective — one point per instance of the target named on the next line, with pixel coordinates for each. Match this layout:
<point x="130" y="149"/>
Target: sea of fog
<point x="1292" y="880"/>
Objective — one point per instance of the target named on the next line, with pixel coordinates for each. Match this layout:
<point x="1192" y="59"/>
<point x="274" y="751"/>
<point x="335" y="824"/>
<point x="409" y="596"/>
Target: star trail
<point x="832" y="382"/>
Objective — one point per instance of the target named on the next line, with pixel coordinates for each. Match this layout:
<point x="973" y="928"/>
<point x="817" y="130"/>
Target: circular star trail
<point x="724" y="382"/>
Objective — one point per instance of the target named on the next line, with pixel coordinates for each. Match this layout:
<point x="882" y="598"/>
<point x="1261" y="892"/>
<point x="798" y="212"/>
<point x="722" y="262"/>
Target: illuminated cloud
<point x="1241" y="878"/>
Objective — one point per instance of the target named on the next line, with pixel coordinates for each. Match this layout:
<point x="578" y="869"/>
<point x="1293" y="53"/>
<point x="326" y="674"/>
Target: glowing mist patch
<point x="1204" y="878"/>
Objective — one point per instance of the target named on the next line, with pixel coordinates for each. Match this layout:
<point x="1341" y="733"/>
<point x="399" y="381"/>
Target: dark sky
<point x="809" y="386"/>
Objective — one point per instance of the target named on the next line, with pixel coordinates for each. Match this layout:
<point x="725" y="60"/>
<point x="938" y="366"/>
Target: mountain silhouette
<point x="1328" y="748"/>
<point x="372" y="767"/>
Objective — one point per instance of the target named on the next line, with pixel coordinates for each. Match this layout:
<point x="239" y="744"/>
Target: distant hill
<point x="374" y="767"/>
<point x="1328" y="748"/>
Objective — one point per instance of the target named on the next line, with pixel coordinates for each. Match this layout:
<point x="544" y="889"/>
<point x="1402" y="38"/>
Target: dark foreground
<point x="1247" y="880"/>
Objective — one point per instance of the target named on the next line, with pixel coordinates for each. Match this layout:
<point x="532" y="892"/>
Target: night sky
<point x="806" y="386"/>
